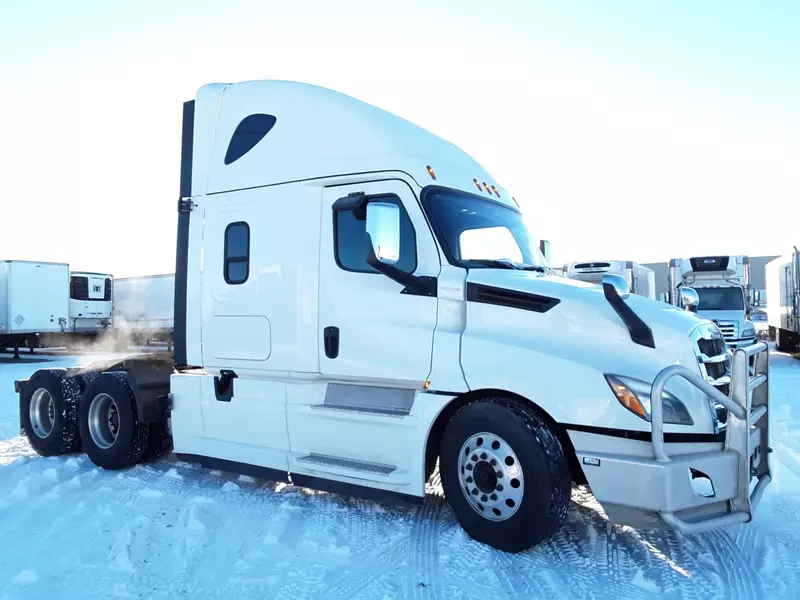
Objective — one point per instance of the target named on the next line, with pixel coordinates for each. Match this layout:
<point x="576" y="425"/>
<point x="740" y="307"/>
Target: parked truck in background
<point x="330" y="329"/>
<point x="144" y="308"/>
<point x="34" y="301"/>
<point x="723" y="285"/>
<point x="783" y="300"/>
<point x="641" y="279"/>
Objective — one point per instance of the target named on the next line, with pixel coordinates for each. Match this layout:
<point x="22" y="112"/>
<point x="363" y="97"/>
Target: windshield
<point x="478" y="233"/>
<point x="720" y="298"/>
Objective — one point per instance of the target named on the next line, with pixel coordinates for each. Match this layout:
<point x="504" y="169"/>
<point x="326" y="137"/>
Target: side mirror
<point x="544" y="246"/>
<point x="383" y="227"/>
<point x="690" y="299"/>
<point x="757" y="297"/>
<point x="619" y="283"/>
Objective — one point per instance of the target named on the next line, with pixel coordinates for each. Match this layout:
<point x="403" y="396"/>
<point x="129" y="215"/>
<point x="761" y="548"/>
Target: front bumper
<point x="706" y="485"/>
<point x="742" y="343"/>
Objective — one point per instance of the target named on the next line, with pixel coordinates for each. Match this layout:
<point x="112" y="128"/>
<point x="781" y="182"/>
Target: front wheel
<point x="505" y="474"/>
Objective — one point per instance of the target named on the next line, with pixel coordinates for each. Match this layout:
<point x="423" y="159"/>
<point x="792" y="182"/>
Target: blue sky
<point x="634" y="130"/>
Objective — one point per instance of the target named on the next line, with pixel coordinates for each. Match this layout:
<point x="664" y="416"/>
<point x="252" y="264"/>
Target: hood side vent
<point x="486" y="294"/>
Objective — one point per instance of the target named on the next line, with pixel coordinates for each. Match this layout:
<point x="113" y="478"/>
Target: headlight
<point x="748" y="332"/>
<point x="634" y="395"/>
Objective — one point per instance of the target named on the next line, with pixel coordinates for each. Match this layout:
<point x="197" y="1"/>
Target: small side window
<point x="249" y="132"/>
<point x="237" y="253"/>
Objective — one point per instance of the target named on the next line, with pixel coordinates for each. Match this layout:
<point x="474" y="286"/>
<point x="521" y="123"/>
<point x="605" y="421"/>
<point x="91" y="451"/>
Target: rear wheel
<point x="112" y="436"/>
<point x="504" y="474"/>
<point x="49" y="411"/>
<point x="784" y="340"/>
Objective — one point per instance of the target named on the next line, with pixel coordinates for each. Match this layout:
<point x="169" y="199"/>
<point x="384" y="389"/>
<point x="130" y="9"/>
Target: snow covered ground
<point x="172" y="530"/>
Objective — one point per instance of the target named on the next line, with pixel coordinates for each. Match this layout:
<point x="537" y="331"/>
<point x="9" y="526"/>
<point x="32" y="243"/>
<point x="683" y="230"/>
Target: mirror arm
<point x="422" y="286"/>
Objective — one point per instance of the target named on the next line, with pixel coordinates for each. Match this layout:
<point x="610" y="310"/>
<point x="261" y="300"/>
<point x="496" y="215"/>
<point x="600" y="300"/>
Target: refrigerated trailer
<point x="783" y="300"/>
<point x="641" y="279"/>
<point x="144" y="307"/>
<point x="34" y="301"/>
<point x="331" y="331"/>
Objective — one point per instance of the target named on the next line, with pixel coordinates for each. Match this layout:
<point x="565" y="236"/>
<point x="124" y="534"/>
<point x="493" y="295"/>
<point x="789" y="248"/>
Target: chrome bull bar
<point x="747" y="431"/>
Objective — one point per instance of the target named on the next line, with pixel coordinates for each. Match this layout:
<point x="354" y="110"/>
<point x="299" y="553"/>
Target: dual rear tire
<point x="62" y="413"/>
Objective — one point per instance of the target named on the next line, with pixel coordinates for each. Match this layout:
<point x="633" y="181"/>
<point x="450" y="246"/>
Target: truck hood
<point x="584" y="327"/>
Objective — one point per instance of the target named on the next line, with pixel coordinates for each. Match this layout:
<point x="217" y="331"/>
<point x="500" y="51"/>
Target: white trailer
<point x="783" y="300"/>
<point x="641" y="279"/>
<point x="144" y="307"/>
<point x="328" y="325"/>
<point x="723" y="286"/>
<point x="34" y="301"/>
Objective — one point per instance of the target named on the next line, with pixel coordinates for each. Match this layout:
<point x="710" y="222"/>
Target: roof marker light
<point x="487" y="187"/>
<point x="431" y="173"/>
<point x="496" y="193"/>
<point x="477" y="184"/>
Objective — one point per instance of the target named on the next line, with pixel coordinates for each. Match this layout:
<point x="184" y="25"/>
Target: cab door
<point x="373" y="329"/>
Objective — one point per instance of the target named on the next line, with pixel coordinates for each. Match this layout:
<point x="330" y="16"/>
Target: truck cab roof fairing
<point x="318" y="133"/>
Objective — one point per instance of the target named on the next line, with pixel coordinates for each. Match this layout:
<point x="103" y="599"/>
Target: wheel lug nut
<point x="499" y="474"/>
<point x="474" y="458"/>
<point x="483" y="455"/>
<point x="494" y="496"/>
<point x="469" y="479"/>
<point x="475" y="492"/>
<point x="493" y="462"/>
<point x="499" y="488"/>
<point x="484" y="498"/>
<point x="469" y="467"/>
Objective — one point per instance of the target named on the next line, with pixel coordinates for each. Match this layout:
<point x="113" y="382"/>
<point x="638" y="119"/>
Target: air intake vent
<point x="512" y="299"/>
<point x="595" y="265"/>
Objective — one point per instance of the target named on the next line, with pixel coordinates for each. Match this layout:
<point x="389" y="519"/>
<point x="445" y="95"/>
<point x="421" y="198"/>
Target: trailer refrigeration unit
<point x="783" y="300"/>
<point x="90" y="303"/>
<point x="143" y="308"/>
<point x="641" y="280"/>
<point x="723" y="285"/>
<point x="34" y="301"/>
<point x="328" y="327"/>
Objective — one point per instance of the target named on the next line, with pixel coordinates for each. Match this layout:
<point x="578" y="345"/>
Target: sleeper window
<point x="351" y="241"/>
<point x="237" y="253"/>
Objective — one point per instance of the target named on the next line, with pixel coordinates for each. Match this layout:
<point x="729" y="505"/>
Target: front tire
<point x="111" y="433"/>
<point x="504" y="474"/>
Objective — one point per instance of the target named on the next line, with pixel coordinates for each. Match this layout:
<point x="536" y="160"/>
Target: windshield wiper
<point x="492" y="262"/>
<point x="538" y="268"/>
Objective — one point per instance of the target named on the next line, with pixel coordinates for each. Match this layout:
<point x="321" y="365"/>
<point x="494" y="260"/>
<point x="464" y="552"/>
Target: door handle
<point x="223" y="385"/>
<point x="331" y="340"/>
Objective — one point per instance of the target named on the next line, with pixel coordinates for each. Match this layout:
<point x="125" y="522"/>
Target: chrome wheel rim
<point x="42" y="413"/>
<point x="103" y="421"/>
<point x="491" y="476"/>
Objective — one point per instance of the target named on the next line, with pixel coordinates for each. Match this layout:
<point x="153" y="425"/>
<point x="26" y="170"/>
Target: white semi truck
<point x="641" y="279"/>
<point x="34" y="301"/>
<point x="330" y="331"/>
<point x="783" y="300"/>
<point x="143" y="308"/>
<point x="723" y="285"/>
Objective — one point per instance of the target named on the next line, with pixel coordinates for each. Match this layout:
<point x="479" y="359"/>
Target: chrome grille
<point x="729" y="329"/>
<point x="711" y="349"/>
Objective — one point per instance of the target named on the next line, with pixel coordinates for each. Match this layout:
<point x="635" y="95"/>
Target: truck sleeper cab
<point x="368" y="302"/>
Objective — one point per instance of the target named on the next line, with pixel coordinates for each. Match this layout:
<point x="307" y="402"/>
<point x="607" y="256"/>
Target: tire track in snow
<point x="424" y="577"/>
<point x="738" y="579"/>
